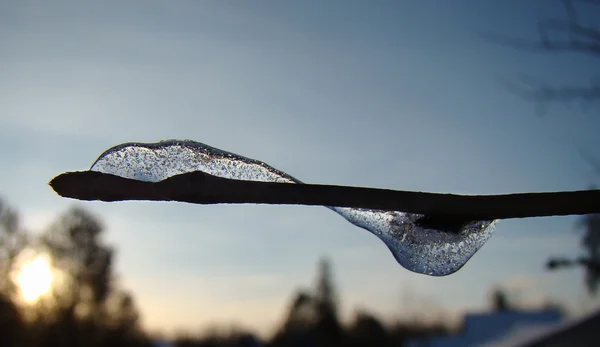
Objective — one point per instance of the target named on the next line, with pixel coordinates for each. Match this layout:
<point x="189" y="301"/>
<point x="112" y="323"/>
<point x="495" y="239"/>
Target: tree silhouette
<point x="312" y="317"/>
<point x="89" y="308"/>
<point x="302" y="313"/>
<point x="500" y="300"/>
<point x="11" y="323"/>
<point x="366" y="330"/>
<point x="327" y="325"/>
<point x="591" y="245"/>
<point x="12" y="240"/>
<point x="75" y="247"/>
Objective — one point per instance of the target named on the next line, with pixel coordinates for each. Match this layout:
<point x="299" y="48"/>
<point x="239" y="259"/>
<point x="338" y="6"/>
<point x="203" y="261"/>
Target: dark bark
<point x="201" y="188"/>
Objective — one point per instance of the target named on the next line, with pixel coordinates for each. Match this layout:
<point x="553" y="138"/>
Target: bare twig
<point x="558" y="36"/>
<point x="201" y="188"/>
<point x="539" y="91"/>
<point x="574" y="36"/>
<point x="557" y="263"/>
<point x="582" y="39"/>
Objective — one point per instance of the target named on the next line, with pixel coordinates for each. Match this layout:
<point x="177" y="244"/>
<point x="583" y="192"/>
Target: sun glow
<point x="34" y="279"/>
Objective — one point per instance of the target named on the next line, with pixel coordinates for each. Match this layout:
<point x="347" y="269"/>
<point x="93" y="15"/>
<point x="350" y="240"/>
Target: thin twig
<point x="201" y="188"/>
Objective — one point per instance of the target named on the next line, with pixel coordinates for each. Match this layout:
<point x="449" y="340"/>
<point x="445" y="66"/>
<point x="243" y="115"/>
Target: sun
<point x="34" y="279"/>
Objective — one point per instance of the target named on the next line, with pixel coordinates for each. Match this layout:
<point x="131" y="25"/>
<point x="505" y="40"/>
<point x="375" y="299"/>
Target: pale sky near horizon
<point x="402" y="95"/>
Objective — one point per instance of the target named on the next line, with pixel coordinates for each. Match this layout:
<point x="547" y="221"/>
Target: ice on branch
<point x="422" y="250"/>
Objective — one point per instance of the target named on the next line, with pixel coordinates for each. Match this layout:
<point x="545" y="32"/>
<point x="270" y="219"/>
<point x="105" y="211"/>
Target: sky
<point x="401" y="95"/>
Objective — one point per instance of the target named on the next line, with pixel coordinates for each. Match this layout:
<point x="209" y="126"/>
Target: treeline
<point x="86" y="306"/>
<point x="365" y="330"/>
<point x="312" y="320"/>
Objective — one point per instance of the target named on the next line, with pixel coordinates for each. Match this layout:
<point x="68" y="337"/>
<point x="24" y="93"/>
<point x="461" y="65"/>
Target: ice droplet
<point x="417" y="248"/>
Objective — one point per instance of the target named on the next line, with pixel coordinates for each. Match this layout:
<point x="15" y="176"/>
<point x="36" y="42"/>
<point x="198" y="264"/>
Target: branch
<point x="577" y="38"/>
<point x="558" y="35"/>
<point x="557" y="263"/>
<point x="536" y="90"/>
<point x="201" y="188"/>
<point x="546" y="44"/>
<point x="580" y="38"/>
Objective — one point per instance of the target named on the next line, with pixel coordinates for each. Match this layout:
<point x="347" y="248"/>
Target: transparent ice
<point x="422" y="250"/>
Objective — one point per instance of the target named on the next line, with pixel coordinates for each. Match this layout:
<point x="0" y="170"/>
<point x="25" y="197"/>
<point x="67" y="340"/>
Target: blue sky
<point x="402" y="95"/>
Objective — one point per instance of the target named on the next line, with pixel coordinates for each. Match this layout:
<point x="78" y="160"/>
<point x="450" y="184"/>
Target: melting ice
<point x="419" y="249"/>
